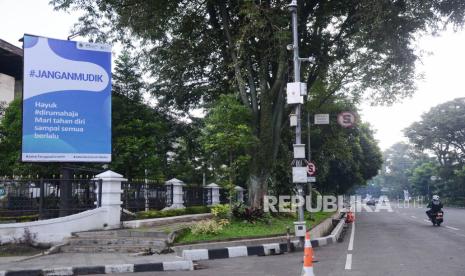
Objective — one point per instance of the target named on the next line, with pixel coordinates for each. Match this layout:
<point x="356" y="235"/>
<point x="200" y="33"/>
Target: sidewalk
<point x="81" y="259"/>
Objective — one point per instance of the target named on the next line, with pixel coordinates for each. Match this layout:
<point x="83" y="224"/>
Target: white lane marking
<point x="349" y="262"/>
<point x="351" y="241"/>
<point x="413" y="216"/>
<point x="426" y="220"/>
<point x="453" y="228"/>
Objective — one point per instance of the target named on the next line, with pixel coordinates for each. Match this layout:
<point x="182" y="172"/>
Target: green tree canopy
<point x="140" y="133"/>
<point x="441" y="132"/>
<point x="196" y="50"/>
<point x="10" y="147"/>
<point x="227" y="136"/>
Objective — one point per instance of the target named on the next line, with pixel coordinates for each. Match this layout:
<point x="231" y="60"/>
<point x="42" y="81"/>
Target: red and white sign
<point x="346" y="119"/>
<point x="311" y="169"/>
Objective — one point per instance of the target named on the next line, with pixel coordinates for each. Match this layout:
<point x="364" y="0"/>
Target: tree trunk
<point x="258" y="188"/>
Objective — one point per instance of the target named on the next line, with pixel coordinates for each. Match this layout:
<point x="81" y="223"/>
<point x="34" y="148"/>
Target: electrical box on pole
<point x="293" y="120"/>
<point x="299" y="151"/>
<point x="299" y="228"/>
<point x="295" y="92"/>
<point x="299" y="175"/>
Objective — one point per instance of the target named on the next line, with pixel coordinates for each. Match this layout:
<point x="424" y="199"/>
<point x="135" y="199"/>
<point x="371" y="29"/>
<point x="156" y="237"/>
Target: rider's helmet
<point x="435" y="198"/>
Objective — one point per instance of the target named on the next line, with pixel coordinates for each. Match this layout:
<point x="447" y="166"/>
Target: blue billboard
<point x="66" y="101"/>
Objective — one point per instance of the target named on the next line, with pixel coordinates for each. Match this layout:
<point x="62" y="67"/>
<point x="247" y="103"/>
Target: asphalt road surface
<point x="401" y="242"/>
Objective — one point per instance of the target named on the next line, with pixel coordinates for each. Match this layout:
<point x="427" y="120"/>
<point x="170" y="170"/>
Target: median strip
<point x="259" y="250"/>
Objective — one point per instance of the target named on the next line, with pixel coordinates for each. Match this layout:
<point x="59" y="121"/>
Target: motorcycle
<point x="437" y="218"/>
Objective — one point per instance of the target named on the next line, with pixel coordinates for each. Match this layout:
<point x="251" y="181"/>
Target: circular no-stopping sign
<point x="346" y="119"/>
<point x="311" y="169"/>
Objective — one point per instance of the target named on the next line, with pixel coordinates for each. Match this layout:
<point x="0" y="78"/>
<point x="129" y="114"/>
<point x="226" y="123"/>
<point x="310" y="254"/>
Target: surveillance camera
<point x="290" y="47"/>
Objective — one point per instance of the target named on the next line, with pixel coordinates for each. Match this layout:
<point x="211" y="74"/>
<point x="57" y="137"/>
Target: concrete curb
<point x="260" y="250"/>
<point x="331" y="238"/>
<point x="103" y="269"/>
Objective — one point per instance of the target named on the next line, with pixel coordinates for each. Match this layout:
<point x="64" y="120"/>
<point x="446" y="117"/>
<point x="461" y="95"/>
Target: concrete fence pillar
<point x="174" y="193"/>
<point x="239" y="193"/>
<point x="111" y="197"/>
<point x="213" y="194"/>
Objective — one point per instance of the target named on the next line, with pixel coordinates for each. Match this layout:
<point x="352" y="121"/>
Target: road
<point x="401" y="242"/>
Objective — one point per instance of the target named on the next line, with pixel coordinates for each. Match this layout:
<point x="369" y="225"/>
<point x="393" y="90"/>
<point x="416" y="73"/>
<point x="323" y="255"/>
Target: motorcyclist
<point x="435" y="206"/>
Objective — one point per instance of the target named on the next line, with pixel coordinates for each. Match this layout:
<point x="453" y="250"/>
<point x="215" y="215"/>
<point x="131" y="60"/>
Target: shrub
<point x="209" y="226"/>
<point x="249" y="214"/>
<point x="220" y="211"/>
<point x="28" y="238"/>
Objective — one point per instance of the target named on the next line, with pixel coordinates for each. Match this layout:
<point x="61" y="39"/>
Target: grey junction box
<point x="299" y="174"/>
<point x="299" y="151"/>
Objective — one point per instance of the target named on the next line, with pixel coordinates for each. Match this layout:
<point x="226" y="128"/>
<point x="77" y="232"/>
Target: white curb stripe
<point x="195" y="254"/>
<point x="237" y="251"/>
<point x="333" y="238"/>
<point x="119" y="268"/>
<point x="269" y="246"/>
<point x="178" y="265"/>
<point x="59" y="271"/>
<point x="322" y="241"/>
<point x="295" y="243"/>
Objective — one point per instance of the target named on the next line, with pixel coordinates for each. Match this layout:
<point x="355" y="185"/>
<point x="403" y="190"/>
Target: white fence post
<point x="111" y="197"/>
<point x="174" y="190"/>
<point x="239" y="193"/>
<point x="215" y="194"/>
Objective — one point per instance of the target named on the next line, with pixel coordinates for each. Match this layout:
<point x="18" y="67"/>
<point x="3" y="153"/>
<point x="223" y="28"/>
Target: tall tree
<point x="441" y="131"/>
<point x="10" y="147"/>
<point x="139" y="132"/>
<point x="227" y="137"/>
<point x="422" y="179"/>
<point x="197" y="50"/>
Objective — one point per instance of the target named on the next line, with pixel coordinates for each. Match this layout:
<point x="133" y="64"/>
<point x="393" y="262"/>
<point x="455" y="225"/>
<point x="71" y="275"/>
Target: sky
<point x="443" y="81"/>
<point x="443" y="69"/>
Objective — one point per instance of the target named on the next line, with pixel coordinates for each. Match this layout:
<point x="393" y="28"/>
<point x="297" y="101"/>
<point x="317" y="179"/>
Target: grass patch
<point x="14" y="219"/>
<point x="276" y="226"/>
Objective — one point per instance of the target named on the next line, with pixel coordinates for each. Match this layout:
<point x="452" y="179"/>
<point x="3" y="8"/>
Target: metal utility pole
<point x="309" y="154"/>
<point x="295" y="93"/>
<point x="298" y="107"/>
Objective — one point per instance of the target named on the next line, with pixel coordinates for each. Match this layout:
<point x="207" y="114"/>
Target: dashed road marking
<point x="414" y="217"/>
<point x="351" y="241"/>
<point x="453" y="228"/>
<point x="348" y="262"/>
